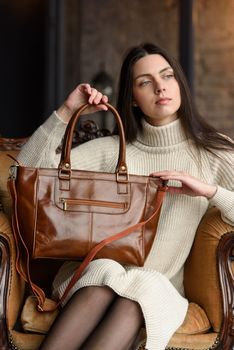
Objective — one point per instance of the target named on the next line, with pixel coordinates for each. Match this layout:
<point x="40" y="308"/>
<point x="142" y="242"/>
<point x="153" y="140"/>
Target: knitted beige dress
<point x="158" y="286"/>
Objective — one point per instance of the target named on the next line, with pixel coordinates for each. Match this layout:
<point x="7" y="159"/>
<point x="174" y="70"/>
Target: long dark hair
<point x="194" y="125"/>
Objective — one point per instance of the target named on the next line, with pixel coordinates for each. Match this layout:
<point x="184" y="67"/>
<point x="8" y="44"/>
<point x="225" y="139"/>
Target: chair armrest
<point x="226" y="273"/>
<point x="12" y="290"/>
<point x="11" y="283"/>
<point x="5" y="225"/>
<point x="4" y="276"/>
<point x="201" y="275"/>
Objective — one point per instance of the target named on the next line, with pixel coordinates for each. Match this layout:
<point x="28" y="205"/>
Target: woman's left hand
<point x="190" y="185"/>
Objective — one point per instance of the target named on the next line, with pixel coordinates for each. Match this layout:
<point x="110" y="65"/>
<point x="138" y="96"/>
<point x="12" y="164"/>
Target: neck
<point x="163" y="121"/>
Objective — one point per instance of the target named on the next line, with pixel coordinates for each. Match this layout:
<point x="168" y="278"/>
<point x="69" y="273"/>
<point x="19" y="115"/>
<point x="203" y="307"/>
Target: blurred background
<point x="49" y="46"/>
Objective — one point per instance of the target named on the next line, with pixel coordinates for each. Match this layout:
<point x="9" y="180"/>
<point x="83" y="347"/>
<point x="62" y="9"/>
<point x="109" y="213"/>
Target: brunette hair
<point x="194" y="125"/>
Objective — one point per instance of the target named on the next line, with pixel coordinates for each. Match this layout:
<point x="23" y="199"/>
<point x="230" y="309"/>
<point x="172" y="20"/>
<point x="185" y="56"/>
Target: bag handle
<point x="65" y="161"/>
<point x="64" y="172"/>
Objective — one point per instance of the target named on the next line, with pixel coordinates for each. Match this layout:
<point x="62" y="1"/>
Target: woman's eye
<point x="169" y="75"/>
<point x="144" y="83"/>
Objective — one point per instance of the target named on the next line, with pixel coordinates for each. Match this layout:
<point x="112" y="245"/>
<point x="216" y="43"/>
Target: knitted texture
<point x="158" y="286"/>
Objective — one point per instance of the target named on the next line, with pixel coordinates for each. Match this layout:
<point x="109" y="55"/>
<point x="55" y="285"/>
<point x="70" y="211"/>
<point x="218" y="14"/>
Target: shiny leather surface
<point x="49" y="231"/>
<point x="61" y="213"/>
<point x="64" y="214"/>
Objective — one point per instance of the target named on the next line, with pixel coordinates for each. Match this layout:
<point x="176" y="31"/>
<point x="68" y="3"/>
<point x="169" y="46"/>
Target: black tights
<point x="95" y="318"/>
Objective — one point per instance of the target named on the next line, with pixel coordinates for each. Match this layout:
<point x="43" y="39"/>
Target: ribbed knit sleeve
<point x="222" y="166"/>
<point x="40" y="150"/>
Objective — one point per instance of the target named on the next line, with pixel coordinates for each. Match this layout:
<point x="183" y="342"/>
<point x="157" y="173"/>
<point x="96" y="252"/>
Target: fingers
<point x="175" y="190"/>
<point x="102" y="107"/>
<point x="189" y="185"/>
<point x="186" y="180"/>
<point x="95" y="97"/>
<point x="84" y="88"/>
<point x="170" y="175"/>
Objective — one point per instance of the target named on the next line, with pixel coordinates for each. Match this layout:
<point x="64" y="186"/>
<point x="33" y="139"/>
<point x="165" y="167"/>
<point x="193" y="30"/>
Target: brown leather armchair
<point x="208" y="280"/>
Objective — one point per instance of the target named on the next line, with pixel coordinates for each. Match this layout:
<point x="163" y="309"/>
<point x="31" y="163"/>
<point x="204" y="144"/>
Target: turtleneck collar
<point x="161" y="136"/>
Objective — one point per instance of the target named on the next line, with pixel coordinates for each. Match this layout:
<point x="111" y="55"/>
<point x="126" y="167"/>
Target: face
<point x="155" y="90"/>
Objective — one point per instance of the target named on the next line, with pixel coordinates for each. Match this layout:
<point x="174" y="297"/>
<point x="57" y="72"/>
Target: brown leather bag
<point x="72" y="214"/>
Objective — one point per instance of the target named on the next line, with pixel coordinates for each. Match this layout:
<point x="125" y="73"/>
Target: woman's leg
<point x="78" y="318"/>
<point x="118" y="329"/>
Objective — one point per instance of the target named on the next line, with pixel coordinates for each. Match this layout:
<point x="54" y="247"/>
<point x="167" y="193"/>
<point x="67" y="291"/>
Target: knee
<point x="129" y="306"/>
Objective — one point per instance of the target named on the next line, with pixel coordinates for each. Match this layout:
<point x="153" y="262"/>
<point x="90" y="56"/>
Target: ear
<point x="134" y="103"/>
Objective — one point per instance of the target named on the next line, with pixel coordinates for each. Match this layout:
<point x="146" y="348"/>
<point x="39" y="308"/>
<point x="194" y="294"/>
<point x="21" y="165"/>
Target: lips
<point x="163" y="101"/>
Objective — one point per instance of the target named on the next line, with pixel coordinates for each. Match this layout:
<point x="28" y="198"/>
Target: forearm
<point x="224" y="201"/>
<point x="40" y="150"/>
<point x="64" y="113"/>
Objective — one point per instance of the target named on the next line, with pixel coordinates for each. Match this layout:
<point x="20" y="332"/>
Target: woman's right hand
<point x="82" y="94"/>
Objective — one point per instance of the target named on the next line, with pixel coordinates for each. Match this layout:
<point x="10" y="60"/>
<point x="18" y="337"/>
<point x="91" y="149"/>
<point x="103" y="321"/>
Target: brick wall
<point x="99" y="32"/>
<point x="214" y="62"/>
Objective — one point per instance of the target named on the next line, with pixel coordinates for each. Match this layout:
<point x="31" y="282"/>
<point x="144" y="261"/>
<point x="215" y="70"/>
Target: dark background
<point x="22" y="67"/>
<point x="49" y="46"/>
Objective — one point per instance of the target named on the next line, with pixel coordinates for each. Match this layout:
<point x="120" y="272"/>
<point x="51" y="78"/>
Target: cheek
<point x="137" y="97"/>
<point x="177" y="95"/>
<point x="136" y="93"/>
<point x="179" y="99"/>
<point x="140" y="96"/>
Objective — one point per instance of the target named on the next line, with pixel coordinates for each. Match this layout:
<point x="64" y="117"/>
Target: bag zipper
<point x="69" y="201"/>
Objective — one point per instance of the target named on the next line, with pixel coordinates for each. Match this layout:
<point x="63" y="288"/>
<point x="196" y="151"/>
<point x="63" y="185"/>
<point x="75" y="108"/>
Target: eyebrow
<point x="149" y="75"/>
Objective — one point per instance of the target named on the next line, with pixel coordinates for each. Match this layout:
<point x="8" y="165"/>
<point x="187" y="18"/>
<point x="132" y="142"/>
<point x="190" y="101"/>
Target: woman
<point x="166" y="138"/>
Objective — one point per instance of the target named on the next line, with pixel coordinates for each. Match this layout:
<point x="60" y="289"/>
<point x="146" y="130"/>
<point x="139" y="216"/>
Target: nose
<point x="159" y="89"/>
<point x="159" y="86"/>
